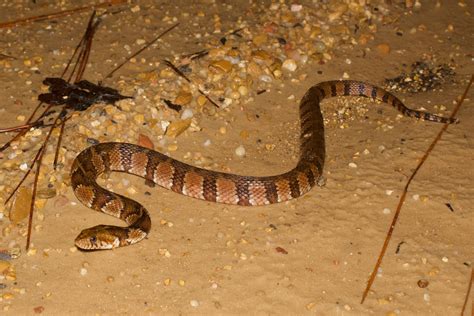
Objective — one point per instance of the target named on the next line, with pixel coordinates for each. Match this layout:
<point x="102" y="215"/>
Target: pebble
<point x="221" y="66"/>
<point x="61" y="201"/>
<point x="260" y="39"/>
<point x="240" y="151"/>
<point x="422" y="283"/>
<point x="21" y="205"/>
<point x="194" y="303"/>
<point x="243" y="90"/>
<point x="426" y="297"/>
<point x="8" y="296"/>
<point x="310" y="305"/>
<point x="187" y="114"/>
<point x="172" y="147"/>
<point x="183" y="98"/>
<point x="46" y="193"/>
<point x="83" y="271"/>
<point x="289" y="65"/>
<point x="145" y="141"/>
<point x="352" y="165"/>
<point x="4" y="265"/>
<point x="139" y="118"/>
<point x="386" y="211"/>
<point x="176" y="128"/>
<point x="383" y="49"/>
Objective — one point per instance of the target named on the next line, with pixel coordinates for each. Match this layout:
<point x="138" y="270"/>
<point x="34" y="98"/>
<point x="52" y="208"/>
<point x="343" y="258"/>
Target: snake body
<point x="205" y="184"/>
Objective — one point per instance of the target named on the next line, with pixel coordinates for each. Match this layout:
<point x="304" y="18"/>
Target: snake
<point x="208" y="185"/>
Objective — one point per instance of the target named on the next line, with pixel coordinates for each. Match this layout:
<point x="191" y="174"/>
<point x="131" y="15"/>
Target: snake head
<point x="99" y="237"/>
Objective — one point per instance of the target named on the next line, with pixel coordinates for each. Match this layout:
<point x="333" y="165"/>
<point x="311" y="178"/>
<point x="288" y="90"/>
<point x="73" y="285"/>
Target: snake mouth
<point x="97" y="238"/>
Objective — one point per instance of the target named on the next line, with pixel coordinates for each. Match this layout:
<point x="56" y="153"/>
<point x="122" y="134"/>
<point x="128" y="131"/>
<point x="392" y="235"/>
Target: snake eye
<point x="93" y="240"/>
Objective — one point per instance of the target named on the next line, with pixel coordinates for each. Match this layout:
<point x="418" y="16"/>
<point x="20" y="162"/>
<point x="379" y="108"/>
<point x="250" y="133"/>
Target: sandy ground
<point x="221" y="260"/>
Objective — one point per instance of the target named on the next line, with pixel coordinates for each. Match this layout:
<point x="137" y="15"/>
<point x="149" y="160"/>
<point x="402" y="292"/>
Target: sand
<point x="312" y="255"/>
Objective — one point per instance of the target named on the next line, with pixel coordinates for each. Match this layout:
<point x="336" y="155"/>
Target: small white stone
<point x="345" y="75"/>
<point x="352" y="165"/>
<point x="164" y="125"/>
<point x="445" y="259"/>
<point x="24" y="166"/>
<point x="426" y="297"/>
<point x="83" y="271"/>
<point x="214" y="286"/>
<point x="416" y="197"/>
<point x="187" y="114"/>
<point x="386" y="211"/>
<point x="95" y="123"/>
<point x="296" y="7"/>
<point x="388" y="192"/>
<point x="289" y="65"/>
<point x="194" y="303"/>
<point x="240" y="151"/>
<point x="207" y="143"/>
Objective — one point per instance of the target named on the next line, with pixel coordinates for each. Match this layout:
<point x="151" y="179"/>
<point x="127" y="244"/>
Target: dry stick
<point x="85" y="53"/>
<point x="58" y="145"/>
<point x="16" y="128"/>
<point x="405" y="190"/>
<point x="33" y="194"/>
<point x="38" y="160"/>
<point x="141" y="50"/>
<point x="180" y="73"/>
<point x="79" y="68"/>
<point x="61" y="13"/>
<point x="23" y="131"/>
<point x="80" y="45"/>
<point x="80" y="50"/>
<point x="80" y="63"/>
<point x="24" y="176"/>
<point x="467" y="294"/>
<point x="28" y="171"/>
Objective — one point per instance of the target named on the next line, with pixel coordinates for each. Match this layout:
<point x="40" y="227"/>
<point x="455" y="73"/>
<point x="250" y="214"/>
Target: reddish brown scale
<point x="204" y="184"/>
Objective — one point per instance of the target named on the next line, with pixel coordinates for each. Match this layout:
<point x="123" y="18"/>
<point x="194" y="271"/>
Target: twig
<point x="61" y="13"/>
<point x="25" y="175"/>
<point x="180" y="73"/>
<point x="5" y="56"/>
<point x="81" y="61"/>
<point x="78" y="69"/>
<point x="16" y="128"/>
<point x="405" y="190"/>
<point x="141" y="50"/>
<point x="467" y="293"/>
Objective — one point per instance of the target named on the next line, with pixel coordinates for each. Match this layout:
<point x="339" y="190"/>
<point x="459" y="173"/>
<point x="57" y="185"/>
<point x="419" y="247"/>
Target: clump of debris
<point x="422" y="77"/>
